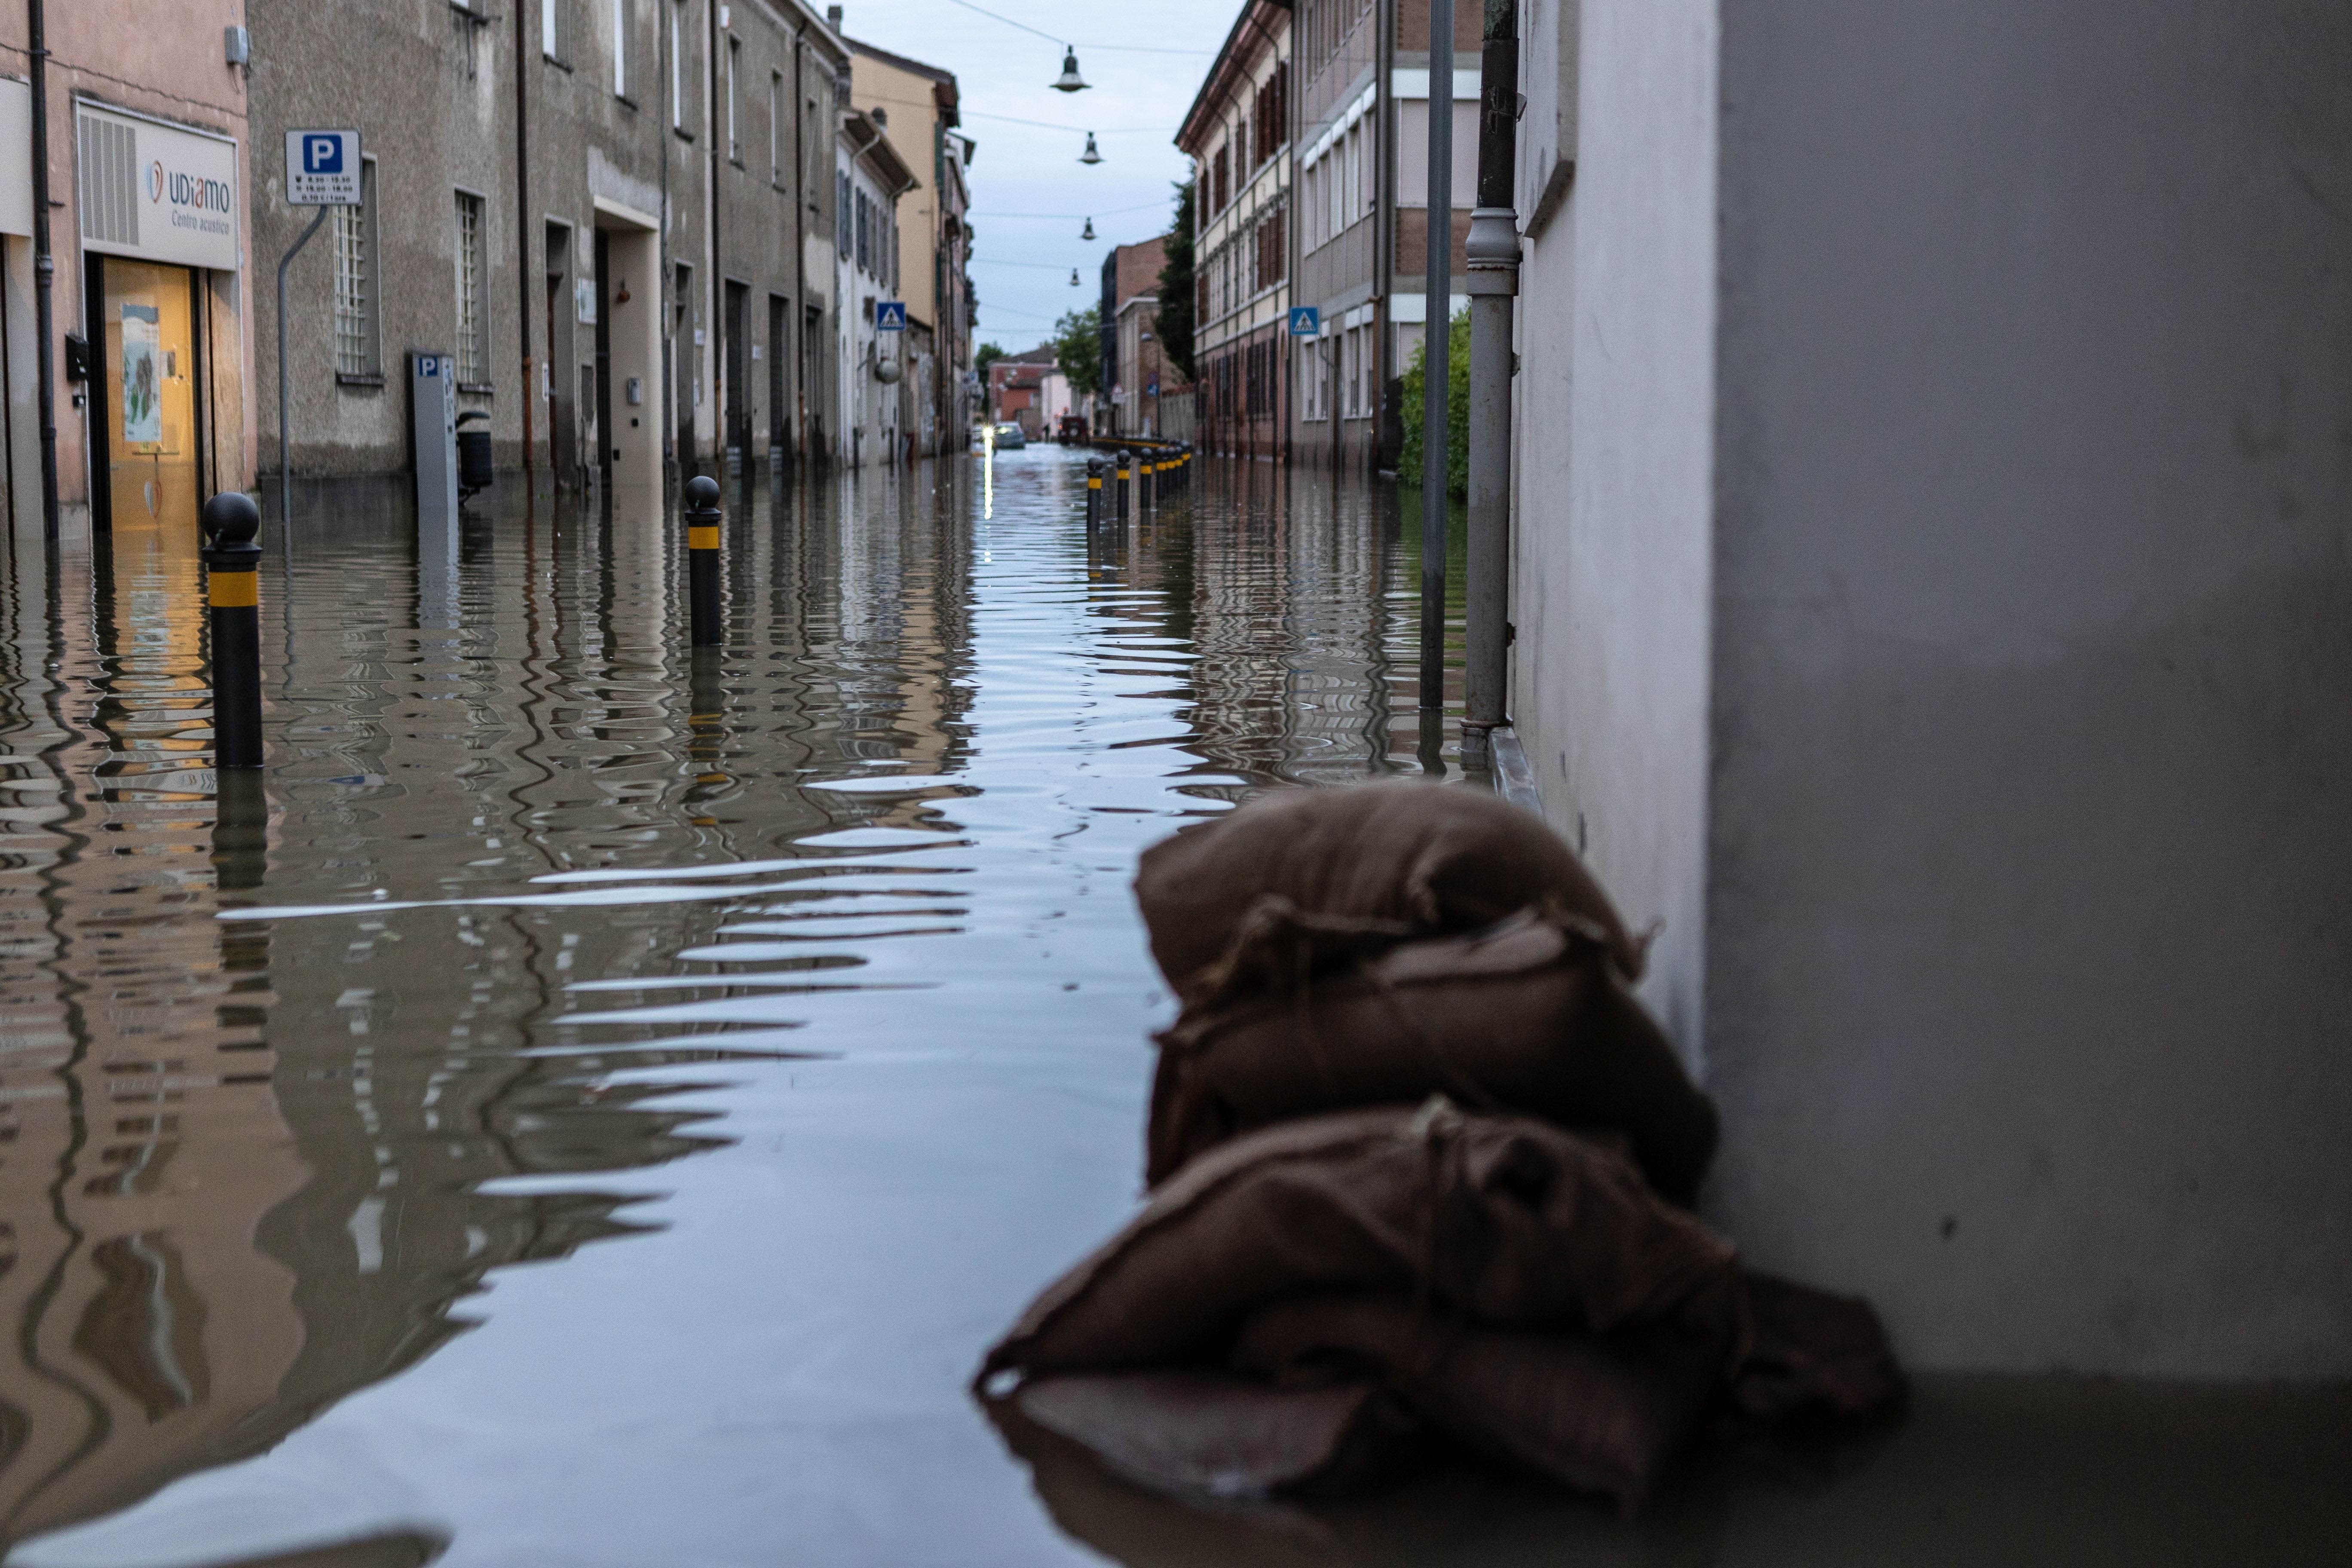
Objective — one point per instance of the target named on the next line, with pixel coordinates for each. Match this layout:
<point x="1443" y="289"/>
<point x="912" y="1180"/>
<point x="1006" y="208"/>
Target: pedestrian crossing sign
<point x="1305" y="320"/>
<point x="890" y="316"/>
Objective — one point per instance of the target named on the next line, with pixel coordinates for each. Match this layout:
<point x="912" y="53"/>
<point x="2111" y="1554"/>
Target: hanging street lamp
<point x="1089" y="233"/>
<point x="1074" y="276"/>
<point x="1090" y="155"/>
<point x="1069" y="80"/>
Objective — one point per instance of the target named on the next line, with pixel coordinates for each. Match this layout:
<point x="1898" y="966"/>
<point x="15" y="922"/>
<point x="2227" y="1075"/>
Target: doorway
<point x="735" y="407"/>
<point x="779" y="346"/>
<point x="145" y="338"/>
<point x="686" y="384"/>
<point x="563" y="414"/>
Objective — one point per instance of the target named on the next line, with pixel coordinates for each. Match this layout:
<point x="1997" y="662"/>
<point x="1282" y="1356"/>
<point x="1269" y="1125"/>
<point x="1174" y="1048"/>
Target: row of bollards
<point x="1155" y="476"/>
<point x="232" y="557"/>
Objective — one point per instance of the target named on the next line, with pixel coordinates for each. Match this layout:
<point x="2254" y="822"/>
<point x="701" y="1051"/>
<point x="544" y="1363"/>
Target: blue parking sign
<point x="890" y="315"/>
<point x="1305" y="320"/>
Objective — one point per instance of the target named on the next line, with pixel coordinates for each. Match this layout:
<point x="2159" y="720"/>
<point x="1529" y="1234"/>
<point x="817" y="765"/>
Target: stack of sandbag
<point x="1419" y="1166"/>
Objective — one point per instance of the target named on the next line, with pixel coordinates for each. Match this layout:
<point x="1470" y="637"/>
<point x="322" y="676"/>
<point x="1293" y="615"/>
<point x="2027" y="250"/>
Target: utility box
<point x="432" y="434"/>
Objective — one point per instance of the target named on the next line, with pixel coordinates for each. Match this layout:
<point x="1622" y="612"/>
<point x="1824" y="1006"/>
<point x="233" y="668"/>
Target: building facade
<point x="1128" y="310"/>
<point x="1238" y="133"/>
<point x="880" y="370"/>
<point x="919" y="108"/>
<point x="663" y="307"/>
<point x="1362" y="136"/>
<point x="151" y="349"/>
<point x="1930" y="584"/>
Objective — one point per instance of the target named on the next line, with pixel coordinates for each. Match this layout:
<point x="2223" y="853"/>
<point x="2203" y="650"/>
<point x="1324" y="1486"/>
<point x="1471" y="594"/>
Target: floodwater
<point x="593" y="1105"/>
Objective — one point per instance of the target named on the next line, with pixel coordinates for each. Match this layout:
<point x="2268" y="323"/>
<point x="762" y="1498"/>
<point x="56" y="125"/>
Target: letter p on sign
<point x="322" y="154"/>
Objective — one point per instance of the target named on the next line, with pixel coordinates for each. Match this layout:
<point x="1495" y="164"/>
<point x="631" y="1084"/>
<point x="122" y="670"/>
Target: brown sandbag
<point x="1599" y="1412"/>
<point x="1218" y="1434"/>
<point x="1497" y="1219"/>
<point x="1811" y="1357"/>
<point x="1527" y="1017"/>
<point x="1275" y="881"/>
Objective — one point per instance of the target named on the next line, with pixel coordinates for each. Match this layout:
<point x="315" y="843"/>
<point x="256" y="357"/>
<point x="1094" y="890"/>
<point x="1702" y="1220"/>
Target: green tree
<point x="988" y="354"/>
<point x="1177" y="289"/>
<point x="1078" y="348"/>
<point x="1458" y="410"/>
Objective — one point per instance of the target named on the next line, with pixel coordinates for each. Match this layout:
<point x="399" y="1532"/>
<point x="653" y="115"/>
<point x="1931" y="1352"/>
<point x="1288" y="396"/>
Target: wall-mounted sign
<point x="1305" y="320"/>
<point x="890" y="315"/>
<point x="583" y="300"/>
<point x="156" y="191"/>
<point x="322" y="168"/>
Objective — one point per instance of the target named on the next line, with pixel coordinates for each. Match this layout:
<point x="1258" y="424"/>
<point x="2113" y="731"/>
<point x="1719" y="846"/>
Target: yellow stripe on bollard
<point x="236" y="590"/>
<point x="1094" y="481"/>
<point x="702" y="536"/>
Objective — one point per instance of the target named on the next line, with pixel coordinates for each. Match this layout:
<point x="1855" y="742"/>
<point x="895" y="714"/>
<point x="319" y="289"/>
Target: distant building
<point x="1016" y="389"/>
<point x="1130" y="309"/>
<point x="662" y="309"/>
<point x="874" y="407"/>
<point x="919" y="106"/>
<point x="1238" y="134"/>
<point x="1360" y="141"/>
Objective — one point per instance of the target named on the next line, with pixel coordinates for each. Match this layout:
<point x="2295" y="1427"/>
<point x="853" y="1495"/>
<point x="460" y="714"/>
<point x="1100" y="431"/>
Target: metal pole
<point x="702" y="520"/>
<point x="232" y="579"/>
<point x="45" y="268"/>
<point x="1493" y="267"/>
<point x="523" y="53"/>
<point x="1437" y="291"/>
<point x="285" y="470"/>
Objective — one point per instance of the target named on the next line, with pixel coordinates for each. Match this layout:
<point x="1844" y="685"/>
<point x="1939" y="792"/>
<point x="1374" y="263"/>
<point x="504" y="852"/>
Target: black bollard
<point x="1126" y="467"/>
<point x="1094" y="491"/>
<point x="232" y="571"/>
<point x="702" y="519"/>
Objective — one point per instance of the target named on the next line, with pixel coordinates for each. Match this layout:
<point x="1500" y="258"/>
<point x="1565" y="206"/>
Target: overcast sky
<point x="1021" y="264"/>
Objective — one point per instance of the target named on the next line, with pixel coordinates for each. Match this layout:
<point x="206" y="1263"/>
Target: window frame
<point x="621" y="31"/>
<point x="369" y="370"/>
<point x="479" y="349"/>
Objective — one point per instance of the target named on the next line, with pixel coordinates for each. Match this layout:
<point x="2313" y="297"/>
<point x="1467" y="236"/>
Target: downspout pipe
<point x="724" y="394"/>
<point x="1436" y="340"/>
<point x="45" y="268"/>
<point x="799" y="243"/>
<point x="1493" y="285"/>
<point x="523" y="242"/>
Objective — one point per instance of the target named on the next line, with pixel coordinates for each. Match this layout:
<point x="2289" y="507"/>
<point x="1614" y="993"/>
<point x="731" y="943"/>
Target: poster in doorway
<point x="143" y="380"/>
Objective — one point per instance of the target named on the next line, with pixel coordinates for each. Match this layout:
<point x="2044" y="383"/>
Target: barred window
<point x="355" y="282"/>
<point x="473" y="313"/>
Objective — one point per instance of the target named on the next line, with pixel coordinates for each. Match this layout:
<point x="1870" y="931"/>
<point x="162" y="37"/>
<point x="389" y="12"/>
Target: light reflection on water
<point x="809" y="968"/>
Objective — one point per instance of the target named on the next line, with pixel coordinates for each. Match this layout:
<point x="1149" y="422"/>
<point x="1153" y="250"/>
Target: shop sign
<point x="155" y="191"/>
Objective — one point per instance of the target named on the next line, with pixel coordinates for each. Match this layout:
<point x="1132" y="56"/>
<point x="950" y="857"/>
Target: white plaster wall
<point x="2028" y="984"/>
<point x="1611" y="593"/>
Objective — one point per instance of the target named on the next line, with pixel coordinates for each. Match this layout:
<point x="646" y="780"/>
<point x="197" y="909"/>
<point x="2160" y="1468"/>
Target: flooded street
<point x="592" y="1107"/>
<point x="595" y="1106"/>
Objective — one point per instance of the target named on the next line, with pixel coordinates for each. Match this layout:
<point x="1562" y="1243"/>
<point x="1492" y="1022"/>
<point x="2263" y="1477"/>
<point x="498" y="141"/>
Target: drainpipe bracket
<point x="1492" y="251"/>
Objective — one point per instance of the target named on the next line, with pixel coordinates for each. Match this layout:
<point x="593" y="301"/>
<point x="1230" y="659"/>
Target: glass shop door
<point x="150" y="420"/>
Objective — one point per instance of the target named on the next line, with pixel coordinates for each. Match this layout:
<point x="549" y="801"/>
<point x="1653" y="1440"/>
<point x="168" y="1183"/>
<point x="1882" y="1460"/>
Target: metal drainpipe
<point x="1436" y="339"/>
<point x="661" y="305"/>
<point x="799" y="244"/>
<point x="1384" y="24"/>
<point x="1494" y="281"/>
<point x="720" y="397"/>
<point x="522" y="245"/>
<point x="44" y="268"/>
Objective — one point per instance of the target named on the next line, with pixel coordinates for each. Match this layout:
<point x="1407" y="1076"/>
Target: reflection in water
<point x="290" y="1064"/>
